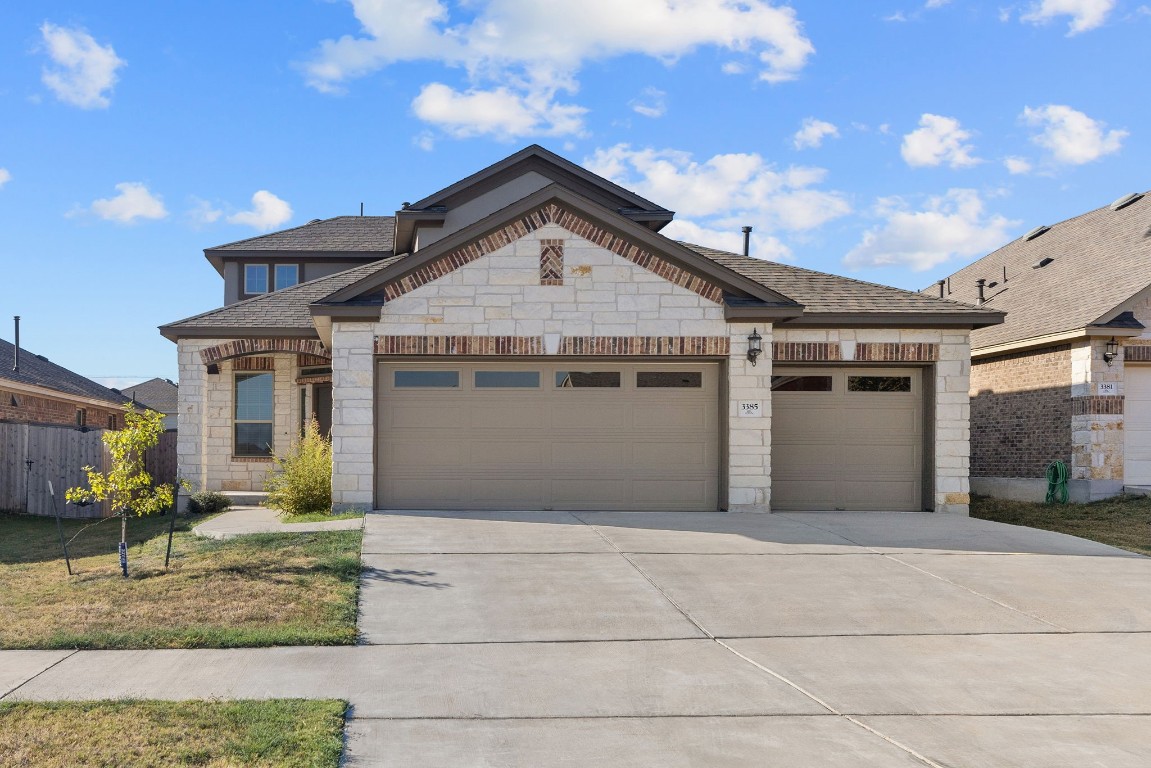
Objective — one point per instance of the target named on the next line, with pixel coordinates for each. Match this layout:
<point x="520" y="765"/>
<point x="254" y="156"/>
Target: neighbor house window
<point x="253" y="422"/>
<point x="287" y="275"/>
<point x="255" y="278"/>
<point x="81" y="417"/>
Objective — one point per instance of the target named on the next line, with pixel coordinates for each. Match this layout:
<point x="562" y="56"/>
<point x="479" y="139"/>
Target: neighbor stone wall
<point x="946" y="354"/>
<point x="1021" y="412"/>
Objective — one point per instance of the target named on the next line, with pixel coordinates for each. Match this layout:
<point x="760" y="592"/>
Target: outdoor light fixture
<point x="1111" y="352"/>
<point x="754" y="346"/>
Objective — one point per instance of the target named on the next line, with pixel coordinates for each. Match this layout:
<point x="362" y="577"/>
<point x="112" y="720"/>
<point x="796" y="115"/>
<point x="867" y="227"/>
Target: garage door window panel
<point x="800" y="383"/>
<point x="427" y="379"/>
<point x="878" y="383"/>
<point x="588" y="379"/>
<point x="507" y="379"/>
<point x="669" y="380"/>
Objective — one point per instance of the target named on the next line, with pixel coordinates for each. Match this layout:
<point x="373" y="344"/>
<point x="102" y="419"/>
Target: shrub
<point x="207" y="503"/>
<point x="302" y="482"/>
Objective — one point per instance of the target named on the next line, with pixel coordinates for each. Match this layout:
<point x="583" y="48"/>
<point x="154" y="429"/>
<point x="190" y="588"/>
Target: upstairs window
<point x="287" y="275"/>
<point x="255" y="278"/>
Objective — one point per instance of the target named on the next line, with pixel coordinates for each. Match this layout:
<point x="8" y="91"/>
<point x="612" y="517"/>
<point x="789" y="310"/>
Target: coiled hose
<point x="1057" y="483"/>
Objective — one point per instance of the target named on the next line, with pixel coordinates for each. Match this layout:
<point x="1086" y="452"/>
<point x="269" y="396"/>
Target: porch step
<point x="246" y="498"/>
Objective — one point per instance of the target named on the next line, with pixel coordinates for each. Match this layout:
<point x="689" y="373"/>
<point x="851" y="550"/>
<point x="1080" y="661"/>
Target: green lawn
<point x="267" y="589"/>
<point x="149" y="734"/>
<point x="1124" y="521"/>
<point x="319" y="517"/>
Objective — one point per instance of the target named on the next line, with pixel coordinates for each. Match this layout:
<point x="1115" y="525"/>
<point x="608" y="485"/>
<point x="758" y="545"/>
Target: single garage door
<point x="847" y="438"/>
<point x="569" y="435"/>
<point x="1137" y="425"/>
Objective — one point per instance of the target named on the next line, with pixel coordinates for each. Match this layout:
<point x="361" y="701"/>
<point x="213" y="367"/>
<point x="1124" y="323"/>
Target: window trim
<point x="267" y="279"/>
<point x="236" y="420"/>
<point x="485" y="387"/>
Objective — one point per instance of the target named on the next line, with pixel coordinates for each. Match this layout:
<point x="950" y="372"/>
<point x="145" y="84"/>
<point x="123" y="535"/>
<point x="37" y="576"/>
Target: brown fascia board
<point x="175" y="333"/>
<point x="407" y="220"/>
<point x="217" y="258"/>
<point x="970" y="320"/>
<point x="684" y="257"/>
<point x="537" y="158"/>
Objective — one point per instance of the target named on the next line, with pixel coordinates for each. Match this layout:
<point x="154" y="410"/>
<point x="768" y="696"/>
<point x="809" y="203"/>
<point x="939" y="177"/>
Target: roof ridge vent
<point x="1036" y="232"/>
<point x="1125" y="201"/>
<point x="315" y="221"/>
<point x="1042" y="262"/>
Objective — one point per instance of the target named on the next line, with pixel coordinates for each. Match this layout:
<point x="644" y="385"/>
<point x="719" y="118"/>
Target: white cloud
<point x="203" y="212"/>
<point x="533" y="49"/>
<point x="766" y="247"/>
<point x="1017" y="165"/>
<point x="1085" y="14"/>
<point x="84" y="70"/>
<point x="134" y="202"/>
<point x="5" y="177"/>
<point x="936" y="3"/>
<point x="952" y="225"/>
<point x="812" y="132"/>
<point x="938" y="140"/>
<point x="500" y="112"/>
<point x="1072" y="137"/>
<point x="652" y="102"/>
<point x="268" y="212"/>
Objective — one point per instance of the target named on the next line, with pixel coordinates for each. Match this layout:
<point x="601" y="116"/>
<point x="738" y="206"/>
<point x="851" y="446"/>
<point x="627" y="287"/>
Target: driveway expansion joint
<point x="41" y="672"/>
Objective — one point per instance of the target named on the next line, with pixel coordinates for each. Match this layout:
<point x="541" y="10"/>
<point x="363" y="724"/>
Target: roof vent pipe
<point x="979" y="287"/>
<point x="941" y="284"/>
<point x="747" y="241"/>
<point x="16" y="354"/>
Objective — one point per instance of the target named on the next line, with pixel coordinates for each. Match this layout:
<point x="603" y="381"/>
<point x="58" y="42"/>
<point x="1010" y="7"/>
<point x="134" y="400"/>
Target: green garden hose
<point x="1057" y="483"/>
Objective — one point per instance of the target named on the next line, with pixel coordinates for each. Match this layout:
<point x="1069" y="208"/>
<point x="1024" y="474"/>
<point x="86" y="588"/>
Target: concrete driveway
<point x="714" y="640"/>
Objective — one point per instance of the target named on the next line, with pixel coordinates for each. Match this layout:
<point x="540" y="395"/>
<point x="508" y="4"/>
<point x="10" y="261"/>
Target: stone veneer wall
<point x="499" y="295"/>
<point x="1021" y="412"/>
<point x="205" y="421"/>
<point x="949" y="365"/>
<point x="1096" y="423"/>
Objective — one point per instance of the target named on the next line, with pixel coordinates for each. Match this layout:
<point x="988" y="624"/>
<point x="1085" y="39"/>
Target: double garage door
<point x="570" y="435"/>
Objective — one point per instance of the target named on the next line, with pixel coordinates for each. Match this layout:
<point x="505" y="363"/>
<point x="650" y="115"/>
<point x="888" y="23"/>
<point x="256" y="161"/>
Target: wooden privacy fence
<point x="59" y="454"/>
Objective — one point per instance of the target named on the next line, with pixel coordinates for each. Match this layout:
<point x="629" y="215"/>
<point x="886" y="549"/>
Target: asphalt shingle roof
<point x="821" y="292"/>
<point x="287" y="308"/>
<point x="342" y="234"/>
<point x="41" y="372"/>
<point x="1099" y="260"/>
<point x="158" y="394"/>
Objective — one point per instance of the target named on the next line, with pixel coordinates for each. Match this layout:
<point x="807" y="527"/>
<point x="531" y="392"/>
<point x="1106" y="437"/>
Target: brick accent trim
<point x="645" y="345"/>
<point x="324" y="379"/>
<point x="251" y="459"/>
<point x="551" y="262"/>
<point x="873" y="352"/>
<point x="1137" y="353"/>
<point x="1097" y="405"/>
<point x="794" y="351"/>
<point x="254" y="364"/>
<point x="312" y="361"/>
<point x="240" y="347"/>
<point x="513" y="346"/>
<point x="551" y="213"/>
<point x="459" y="345"/>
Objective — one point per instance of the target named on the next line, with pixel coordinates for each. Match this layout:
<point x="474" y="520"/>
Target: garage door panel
<point x="609" y="447"/>
<point x="847" y="450"/>
<point x="1137" y="425"/>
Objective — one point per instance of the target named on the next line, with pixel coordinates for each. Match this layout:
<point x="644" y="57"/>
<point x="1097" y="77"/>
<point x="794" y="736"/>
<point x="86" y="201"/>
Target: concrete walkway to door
<point x="719" y="640"/>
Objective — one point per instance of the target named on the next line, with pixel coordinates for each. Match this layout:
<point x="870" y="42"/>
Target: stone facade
<point x="946" y="354"/>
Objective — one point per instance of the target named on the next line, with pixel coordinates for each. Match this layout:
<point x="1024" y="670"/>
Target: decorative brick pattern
<point x="1136" y="353"/>
<point x="1097" y="405"/>
<point x="312" y="361"/>
<point x="254" y="364"/>
<point x="459" y="345"/>
<point x="551" y="262"/>
<point x="325" y="378"/>
<point x="871" y="352"/>
<point x="1021" y="409"/>
<point x="239" y="347"/>
<point x="793" y="352"/>
<point x="645" y="345"/>
<point x="551" y="214"/>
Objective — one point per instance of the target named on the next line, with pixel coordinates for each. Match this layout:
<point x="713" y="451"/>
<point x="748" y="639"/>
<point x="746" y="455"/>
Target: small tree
<point x="127" y="486"/>
<point x="302" y="482"/>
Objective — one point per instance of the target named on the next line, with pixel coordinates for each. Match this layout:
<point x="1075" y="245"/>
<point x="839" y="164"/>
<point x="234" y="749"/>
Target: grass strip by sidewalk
<point x="319" y="517"/>
<point x="285" y="733"/>
<point x="260" y="590"/>
<point x="1122" y="521"/>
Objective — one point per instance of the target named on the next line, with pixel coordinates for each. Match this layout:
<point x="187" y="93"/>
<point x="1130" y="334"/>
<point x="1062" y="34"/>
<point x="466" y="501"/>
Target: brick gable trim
<point x="871" y="352"/>
<point x="551" y="213"/>
<point x="513" y="346"/>
<point x="1097" y="405"/>
<point x="241" y="347"/>
<point x="798" y="351"/>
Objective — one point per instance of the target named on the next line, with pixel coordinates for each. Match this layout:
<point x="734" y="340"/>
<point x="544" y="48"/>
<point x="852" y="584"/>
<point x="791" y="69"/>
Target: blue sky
<point x="889" y="140"/>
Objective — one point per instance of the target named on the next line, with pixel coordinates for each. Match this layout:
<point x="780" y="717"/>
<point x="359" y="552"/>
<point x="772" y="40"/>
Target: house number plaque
<point x="750" y="409"/>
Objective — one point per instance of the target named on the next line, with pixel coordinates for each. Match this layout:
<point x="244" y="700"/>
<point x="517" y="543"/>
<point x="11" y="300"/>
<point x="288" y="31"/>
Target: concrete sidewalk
<point x="647" y="639"/>
<point x="240" y="521"/>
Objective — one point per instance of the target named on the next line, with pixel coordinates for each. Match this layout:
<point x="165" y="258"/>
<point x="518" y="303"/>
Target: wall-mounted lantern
<point x="754" y="346"/>
<point x="1110" y="352"/>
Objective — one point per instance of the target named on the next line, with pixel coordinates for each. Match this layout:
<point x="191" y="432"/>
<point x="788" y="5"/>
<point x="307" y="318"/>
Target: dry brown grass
<point x="269" y="589"/>
<point x="1124" y="521"/>
<point x="150" y="734"/>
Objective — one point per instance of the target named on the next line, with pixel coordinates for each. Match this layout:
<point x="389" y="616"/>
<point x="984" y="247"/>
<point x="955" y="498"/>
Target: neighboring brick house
<point x="34" y="390"/>
<point x="526" y="339"/>
<point x="161" y="395"/>
<point x="1067" y="376"/>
